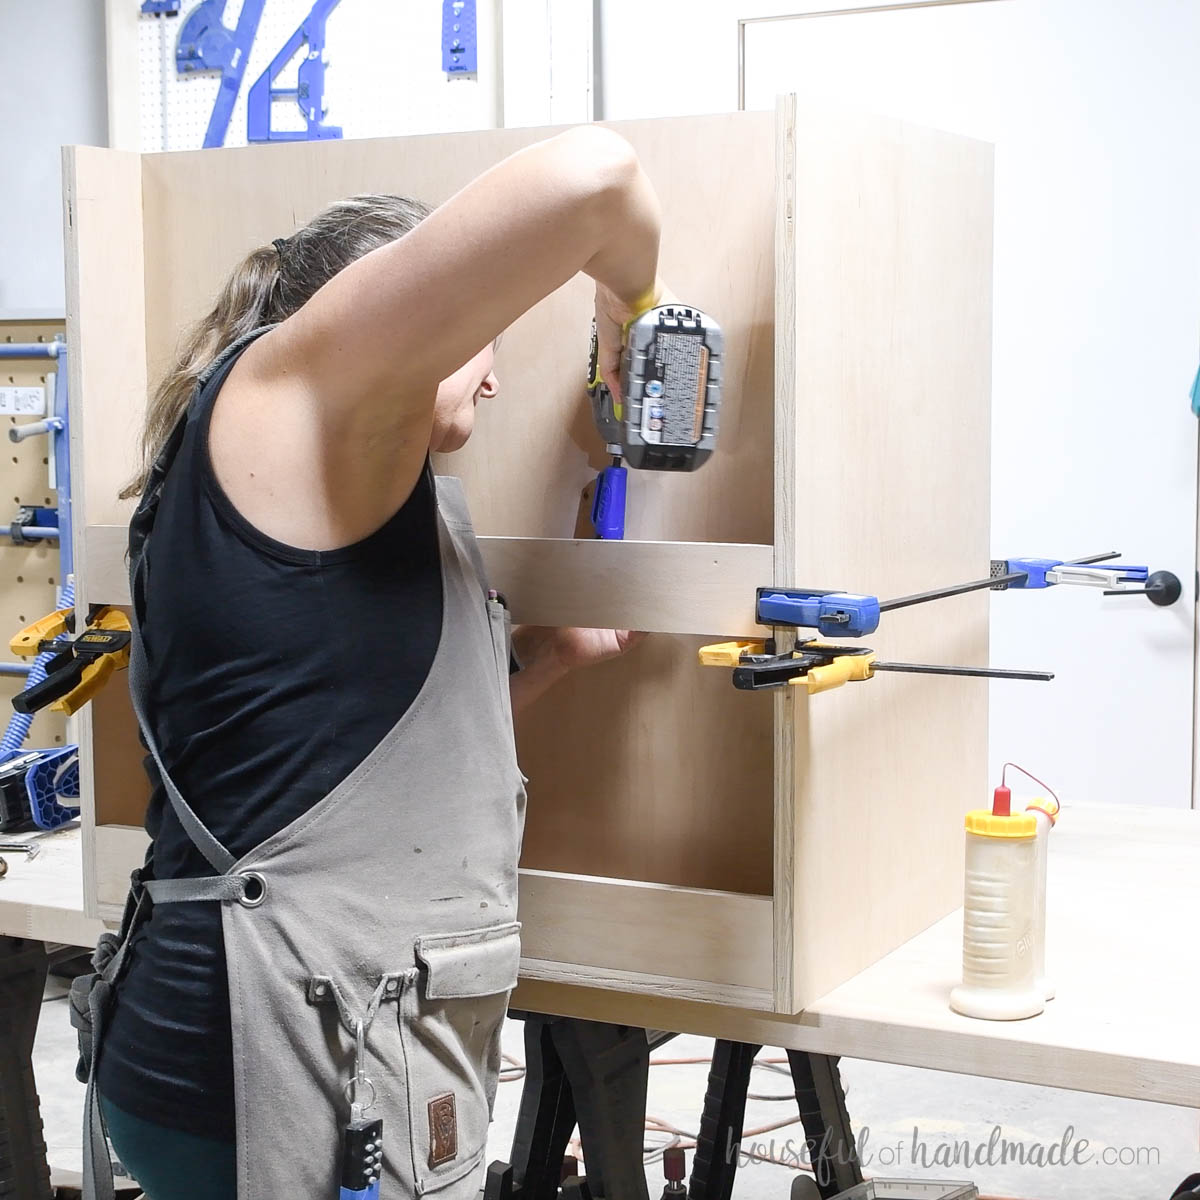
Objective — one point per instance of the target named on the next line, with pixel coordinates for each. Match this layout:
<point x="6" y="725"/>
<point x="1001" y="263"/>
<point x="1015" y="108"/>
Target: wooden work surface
<point x="1124" y="907"/>
<point x="43" y="899"/>
<point x="1124" y="910"/>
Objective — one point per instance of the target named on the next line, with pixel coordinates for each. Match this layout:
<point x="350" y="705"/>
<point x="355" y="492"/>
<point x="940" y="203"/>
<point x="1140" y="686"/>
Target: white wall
<point x="1094" y="106"/>
<point x="52" y="94"/>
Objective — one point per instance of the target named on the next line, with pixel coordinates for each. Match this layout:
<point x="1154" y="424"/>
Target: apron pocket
<point x="450" y="1026"/>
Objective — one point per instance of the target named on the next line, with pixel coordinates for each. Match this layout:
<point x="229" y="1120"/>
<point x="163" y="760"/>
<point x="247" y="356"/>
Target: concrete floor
<point x="886" y="1103"/>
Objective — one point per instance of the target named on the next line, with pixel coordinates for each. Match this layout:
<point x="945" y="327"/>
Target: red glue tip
<point x="1002" y="802"/>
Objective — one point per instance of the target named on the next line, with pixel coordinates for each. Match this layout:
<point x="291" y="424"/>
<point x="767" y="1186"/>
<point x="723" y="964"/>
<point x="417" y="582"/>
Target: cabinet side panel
<point x="893" y="257"/>
<point x="646" y="768"/>
<point x="106" y="340"/>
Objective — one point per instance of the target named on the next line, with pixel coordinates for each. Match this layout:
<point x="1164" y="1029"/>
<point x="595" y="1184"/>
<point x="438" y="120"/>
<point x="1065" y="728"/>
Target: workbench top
<point x="1123" y="949"/>
<point x="43" y="899"/>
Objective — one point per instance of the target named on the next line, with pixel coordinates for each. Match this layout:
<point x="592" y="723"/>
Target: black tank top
<point x="274" y="671"/>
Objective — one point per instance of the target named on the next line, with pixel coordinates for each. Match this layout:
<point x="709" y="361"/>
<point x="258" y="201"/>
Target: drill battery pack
<point x="671" y="366"/>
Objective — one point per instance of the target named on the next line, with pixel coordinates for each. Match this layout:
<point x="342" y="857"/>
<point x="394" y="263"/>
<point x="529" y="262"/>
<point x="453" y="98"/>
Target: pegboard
<point x="29" y="575"/>
<point x="383" y="75"/>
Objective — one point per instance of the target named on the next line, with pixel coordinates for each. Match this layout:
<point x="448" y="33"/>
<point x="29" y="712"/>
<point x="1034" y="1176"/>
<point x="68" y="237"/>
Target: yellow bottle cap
<point x="985" y="823"/>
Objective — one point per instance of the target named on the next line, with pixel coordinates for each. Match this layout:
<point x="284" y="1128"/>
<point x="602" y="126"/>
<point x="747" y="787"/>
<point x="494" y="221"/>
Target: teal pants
<point x="169" y="1165"/>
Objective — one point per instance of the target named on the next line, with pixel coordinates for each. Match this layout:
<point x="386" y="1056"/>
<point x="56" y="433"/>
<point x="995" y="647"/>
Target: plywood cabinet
<point x="682" y="838"/>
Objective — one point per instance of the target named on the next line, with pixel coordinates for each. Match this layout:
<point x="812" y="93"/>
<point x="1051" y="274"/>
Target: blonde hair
<point x="267" y="286"/>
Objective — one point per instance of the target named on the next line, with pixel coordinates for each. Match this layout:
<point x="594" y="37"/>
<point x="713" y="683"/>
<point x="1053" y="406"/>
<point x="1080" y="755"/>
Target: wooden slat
<point x="887" y="484"/>
<point x="706" y="936"/>
<point x="661" y="587"/>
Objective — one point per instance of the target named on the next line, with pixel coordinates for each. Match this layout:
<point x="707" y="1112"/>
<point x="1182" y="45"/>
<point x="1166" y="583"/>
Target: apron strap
<point x="452" y="504"/>
<point x="98" y="1181"/>
<point x="97" y="1162"/>
<point x="139" y="688"/>
<point x="207" y="887"/>
<point x="218" y="857"/>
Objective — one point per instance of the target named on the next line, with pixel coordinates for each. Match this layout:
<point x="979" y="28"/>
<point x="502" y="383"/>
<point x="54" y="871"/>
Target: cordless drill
<point x="663" y="416"/>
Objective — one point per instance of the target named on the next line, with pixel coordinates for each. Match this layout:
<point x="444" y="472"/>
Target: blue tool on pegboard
<point x="206" y="43"/>
<point x="37" y="786"/>
<point x="460" y="43"/>
<point x="161" y="8"/>
<point x="309" y="92"/>
<point x="33" y="786"/>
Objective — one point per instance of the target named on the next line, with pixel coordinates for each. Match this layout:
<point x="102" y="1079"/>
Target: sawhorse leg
<point x="822" y="1102"/>
<point x="822" y="1105"/>
<point x="593" y="1073"/>
<point x="24" y="1172"/>
<point x="544" y="1120"/>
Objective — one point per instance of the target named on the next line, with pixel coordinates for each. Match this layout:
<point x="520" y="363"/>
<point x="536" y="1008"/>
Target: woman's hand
<point x="574" y="648"/>
<point x="547" y="654"/>
<point x="612" y="315"/>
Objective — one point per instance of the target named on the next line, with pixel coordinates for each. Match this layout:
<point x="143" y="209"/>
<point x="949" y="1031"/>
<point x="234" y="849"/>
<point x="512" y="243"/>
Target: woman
<point x="325" y="681"/>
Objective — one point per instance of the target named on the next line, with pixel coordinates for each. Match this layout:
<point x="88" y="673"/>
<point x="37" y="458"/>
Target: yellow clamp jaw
<point x="27" y="643"/>
<point x="812" y="665"/>
<point x="106" y="654"/>
<point x="81" y="667"/>
<point x="728" y="654"/>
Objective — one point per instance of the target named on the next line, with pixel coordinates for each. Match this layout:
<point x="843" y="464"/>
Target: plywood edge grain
<point x="659" y="587"/>
<point x="641" y="984"/>
<point x="783" y="718"/>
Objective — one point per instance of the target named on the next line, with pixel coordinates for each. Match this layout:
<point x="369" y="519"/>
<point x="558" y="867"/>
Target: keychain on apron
<point x="362" y="1137"/>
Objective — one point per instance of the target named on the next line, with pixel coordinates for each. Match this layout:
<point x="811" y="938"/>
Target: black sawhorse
<point x="595" y="1075"/>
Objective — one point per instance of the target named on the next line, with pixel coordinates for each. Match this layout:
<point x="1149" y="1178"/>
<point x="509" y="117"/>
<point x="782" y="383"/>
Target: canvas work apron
<point x="376" y="933"/>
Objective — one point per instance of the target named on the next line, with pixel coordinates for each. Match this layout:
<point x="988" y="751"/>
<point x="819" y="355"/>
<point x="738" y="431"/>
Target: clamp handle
<point x="1162" y="587"/>
<point x="850" y="668"/>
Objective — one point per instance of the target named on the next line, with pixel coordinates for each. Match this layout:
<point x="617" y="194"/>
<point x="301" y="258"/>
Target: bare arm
<point x="328" y="417"/>
<point x="547" y="654"/>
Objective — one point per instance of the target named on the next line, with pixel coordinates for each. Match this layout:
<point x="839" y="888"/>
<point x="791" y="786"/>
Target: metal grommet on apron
<point x="372" y="943"/>
<point x="253" y="896"/>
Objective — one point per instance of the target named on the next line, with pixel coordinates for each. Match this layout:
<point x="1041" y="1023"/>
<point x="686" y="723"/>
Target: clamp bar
<point x="980" y="672"/>
<point x="976" y="585"/>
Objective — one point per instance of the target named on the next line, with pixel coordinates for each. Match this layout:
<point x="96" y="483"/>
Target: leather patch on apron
<point x="443" y="1129"/>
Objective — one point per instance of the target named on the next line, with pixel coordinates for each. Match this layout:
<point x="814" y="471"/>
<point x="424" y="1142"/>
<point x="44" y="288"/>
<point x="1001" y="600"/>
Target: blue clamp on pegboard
<point x="206" y="43"/>
<point x="309" y="92"/>
<point x="33" y="784"/>
<point x="460" y="43"/>
<point x="161" y="8"/>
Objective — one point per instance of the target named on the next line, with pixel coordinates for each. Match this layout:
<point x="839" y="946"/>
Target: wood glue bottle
<point x="999" y="938"/>
<point x="1045" y="812"/>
